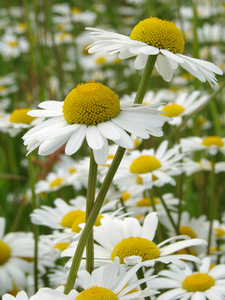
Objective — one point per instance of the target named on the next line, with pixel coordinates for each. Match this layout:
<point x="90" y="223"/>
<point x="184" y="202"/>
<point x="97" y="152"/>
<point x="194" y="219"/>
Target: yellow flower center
<point x="186" y="230"/>
<point x="219" y="232"/>
<point x="198" y="282"/>
<point x="173" y="110"/>
<point x="144" y="164"/>
<point x="14" y="290"/>
<point x="82" y="219"/>
<point x="125" y="196"/>
<point x="56" y="182"/>
<point x="65" y="35"/>
<point x="100" y="60"/>
<point x="212" y="141"/>
<point x="5" y="253"/>
<point x="146" y="201"/>
<point x="74" y="218"/>
<point x="13" y="43"/>
<point x="20" y="116"/>
<point x="90" y="103"/>
<point x="61" y="246"/>
<point x="22" y="26"/>
<point x="85" y="50"/>
<point x="135" y="246"/>
<point x="139" y="180"/>
<point x="75" y="10"/>
<point x="70" y="218"/>
<point x="72" y="170"/>
<point x="160" y="34"/>
<point x="96" y="293"/>
<point x="2" y="88"/>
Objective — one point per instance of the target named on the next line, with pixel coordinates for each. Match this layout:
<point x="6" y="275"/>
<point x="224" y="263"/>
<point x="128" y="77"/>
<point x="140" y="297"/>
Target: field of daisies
<point x="112" y="130"/>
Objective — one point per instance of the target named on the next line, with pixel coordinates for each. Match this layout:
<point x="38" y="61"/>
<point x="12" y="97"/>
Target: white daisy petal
<point x="101" y="155"/>
<point x="163" y="66"/>
<point x="50" y="146"/>
<point x="75" y="141"/>
<point x="94" y="138"/>
<point x="109" y="130"/>
<point x="51" y="105"/>
<point x="140" y="61"/>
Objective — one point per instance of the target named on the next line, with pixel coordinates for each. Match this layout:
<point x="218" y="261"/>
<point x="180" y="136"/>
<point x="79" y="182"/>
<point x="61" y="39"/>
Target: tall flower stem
<point x="212" y="204"/>
<point x="35" y="227"/>
<point x="167" y="211"/>
<point x="140" y="275"/>
<point x="143" y="85"/>
<point x="92" y="179"/>
<point x="105" y="185"/>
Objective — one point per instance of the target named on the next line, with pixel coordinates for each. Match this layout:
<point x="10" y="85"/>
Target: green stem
<point x="143" y="85"/>
<point x="140" y="275"/>
<point x="35" y="227"/>
<point x="167" y="211"/>
<point x="92" y="179"/>
<point x="212" y="204"/>
<point x="105" y="186"/>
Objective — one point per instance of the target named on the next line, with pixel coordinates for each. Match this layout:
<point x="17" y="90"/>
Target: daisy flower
<point x="108" y="282"/>
<point x="149" y="167"/>
<point x="91" y="110"/>
<point x="206" y="283"/>
<point x="65" y="215"/>
<point x="153" y="36"/>
<point x="190" y="226"/>
<point x="52" y="182"/>
<point x="15" y="248"/>
<point x="133" y="243"/>
<point x="191" y="167"/>
<point x="20" y="296"/>
<point x="212" y="144"/>
<point x="18" y="120"/>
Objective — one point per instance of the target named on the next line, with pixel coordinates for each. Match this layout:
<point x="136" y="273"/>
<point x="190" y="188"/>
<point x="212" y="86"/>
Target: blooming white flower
<point x="15" y="248"/>
<point x="91" y="110"/>
<point x="206" y="283"/>
<point x="154" y="37"/>
<point x="212" y="144"/>
<point x="149" y="167"/>
<point x="18" y="120"/>
<point x="20" y="296"/>
<point x="133" y="243"/>
<point x="108" y="282"/>
<point x="190" y="166"/>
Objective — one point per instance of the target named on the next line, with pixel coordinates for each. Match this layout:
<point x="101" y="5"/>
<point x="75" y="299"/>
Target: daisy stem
<point x="92" y="179"/>
<point x="105" y="185"/>
<point x="35" y="227"/>
<point x="91" y="219"/>
<point x="140" y="275"/>
<point x="212" y="204"/>
<point x="167" y="211"/>
<point x="143" y="85"/>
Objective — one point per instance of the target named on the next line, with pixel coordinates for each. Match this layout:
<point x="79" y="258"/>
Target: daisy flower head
<point x="154" y="36"/>
<point x="212" y="144"/>
<point x="91" y="110"/>
<point x="15" y="249"/>
<point x="206" y="283"/>
<point x="108" y="282"/>
<point x="17" y="121"/>
<point x="149" y="167"/>
<point x="133" y="243"/>
<point x="20" y="296"/>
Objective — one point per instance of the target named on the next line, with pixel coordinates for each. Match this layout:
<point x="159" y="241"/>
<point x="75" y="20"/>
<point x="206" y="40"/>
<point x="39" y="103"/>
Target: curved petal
<point x="94" y="138"/>
<point x="75" y="141"/>
<point x="101" y="155"/>
<point x="164" y="67"/>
